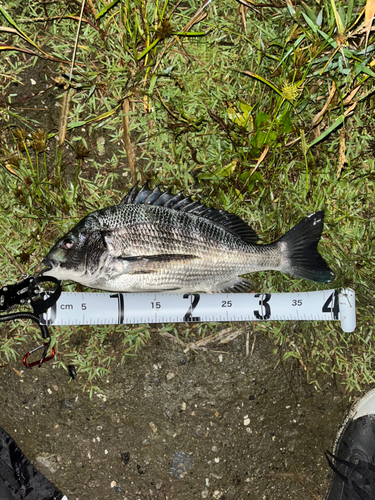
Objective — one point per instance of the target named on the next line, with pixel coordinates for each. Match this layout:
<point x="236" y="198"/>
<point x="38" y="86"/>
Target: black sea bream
<point x="155" y="241"/>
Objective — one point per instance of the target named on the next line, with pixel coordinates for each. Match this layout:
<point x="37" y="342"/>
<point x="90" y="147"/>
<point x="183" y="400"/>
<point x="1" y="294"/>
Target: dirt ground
<point x="175" y="425"/>
<point x="169" y="424"/>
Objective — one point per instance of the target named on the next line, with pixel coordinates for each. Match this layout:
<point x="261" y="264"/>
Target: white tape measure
<point x="75" y="308"/>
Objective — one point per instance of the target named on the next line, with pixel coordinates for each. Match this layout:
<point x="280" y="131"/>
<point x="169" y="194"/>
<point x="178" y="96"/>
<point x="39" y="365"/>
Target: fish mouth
<point x="45" y="266"/>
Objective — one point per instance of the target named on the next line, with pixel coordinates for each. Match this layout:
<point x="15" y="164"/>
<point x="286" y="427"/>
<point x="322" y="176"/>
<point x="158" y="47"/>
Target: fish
<point x="156" y="241"/>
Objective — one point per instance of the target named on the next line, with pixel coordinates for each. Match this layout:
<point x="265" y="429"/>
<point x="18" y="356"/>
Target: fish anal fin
<point x="237" y="285"/>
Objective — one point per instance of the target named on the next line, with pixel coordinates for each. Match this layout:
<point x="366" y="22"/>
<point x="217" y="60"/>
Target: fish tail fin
<point x="300" y="246"/>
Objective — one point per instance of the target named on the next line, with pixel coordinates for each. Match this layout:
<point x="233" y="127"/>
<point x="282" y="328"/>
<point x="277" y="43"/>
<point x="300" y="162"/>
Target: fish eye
<point x="67" y="243"/>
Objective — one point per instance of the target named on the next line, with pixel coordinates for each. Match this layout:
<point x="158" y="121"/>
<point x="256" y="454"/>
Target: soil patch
<point x="177" y="425"/>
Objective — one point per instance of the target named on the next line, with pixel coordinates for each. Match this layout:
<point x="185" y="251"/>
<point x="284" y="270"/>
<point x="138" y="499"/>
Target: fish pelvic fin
<point x="300" y="246"/>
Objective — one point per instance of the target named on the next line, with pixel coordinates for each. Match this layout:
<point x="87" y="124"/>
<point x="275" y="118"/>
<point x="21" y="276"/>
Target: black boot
<point x="353" y="458"/>
<point x="19" y="480"/>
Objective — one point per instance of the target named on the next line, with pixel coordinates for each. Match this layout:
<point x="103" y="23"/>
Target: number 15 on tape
<point x="75" y="308"/>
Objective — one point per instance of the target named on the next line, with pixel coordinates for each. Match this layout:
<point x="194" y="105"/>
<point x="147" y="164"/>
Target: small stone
<point x="140" y="470"/>
<point x="170" y="375"/>
<point x="153" y="427"/>
<point x="204" y="493"/>
<point x="181" y="463"/>
<point x="246" y="420"/>
<point x="68" y="403"/>
<point x="100" y="144"/>
<point x="32" y="81"/>
<point x="183" y="406"/>
<point x="47" y="464"/>
<point x="113" y="484"/>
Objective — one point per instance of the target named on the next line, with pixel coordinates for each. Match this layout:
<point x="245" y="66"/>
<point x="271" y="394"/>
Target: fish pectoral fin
<point x="148" y="264"/>
<point x="237" y="285"/>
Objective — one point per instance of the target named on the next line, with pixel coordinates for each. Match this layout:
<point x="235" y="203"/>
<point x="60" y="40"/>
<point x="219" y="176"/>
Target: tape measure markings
<point x="132" y="308"/>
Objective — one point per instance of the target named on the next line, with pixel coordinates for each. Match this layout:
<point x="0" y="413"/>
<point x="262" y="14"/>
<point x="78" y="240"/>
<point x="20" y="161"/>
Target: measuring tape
<point x="75" y="308"/>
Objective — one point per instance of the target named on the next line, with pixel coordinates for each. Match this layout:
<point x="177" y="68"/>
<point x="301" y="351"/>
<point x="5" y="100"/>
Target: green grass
<point x="202" y="111"/>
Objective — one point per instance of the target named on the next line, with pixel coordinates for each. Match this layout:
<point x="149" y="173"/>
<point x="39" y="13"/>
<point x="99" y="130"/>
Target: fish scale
<point x="157" y="241"/>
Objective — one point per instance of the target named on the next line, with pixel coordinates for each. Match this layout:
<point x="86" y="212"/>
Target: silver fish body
<point x="155" y="241"/>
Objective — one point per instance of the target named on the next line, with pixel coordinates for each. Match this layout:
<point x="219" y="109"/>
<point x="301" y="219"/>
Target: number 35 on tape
<point x="75" y="308"/>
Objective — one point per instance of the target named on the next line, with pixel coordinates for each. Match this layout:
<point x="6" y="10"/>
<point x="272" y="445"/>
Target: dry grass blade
<point x="127" y="141"/>
<point x="369" y="17"/>
<point x="339" y="22"/>
<point x="172" y="338"/>
<point x="352" y="94"/>
<point x="59" y="18"/>
<point x="12" y="259"/>
<point x="8" y="30"/>
<point x="335" y="125"/>
<point x="24" y="36"/>
<point x="319" y="116"/>
<point x="26" y="51"/>
<point x="10" y="169"/>
<point x="63" y="123"/>
<point x="92" y="8"/>
<point x="342" y="157"/>
<point x="76" y="42"/>
<point x="243" y="10"/>
<point x="222" y="337"/>
<point x="198" y="16"/>
<point x="260" y="159"/>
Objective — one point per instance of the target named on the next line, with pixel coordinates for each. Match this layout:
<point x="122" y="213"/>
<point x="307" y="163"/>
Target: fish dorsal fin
<point x="230" y="222"/>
